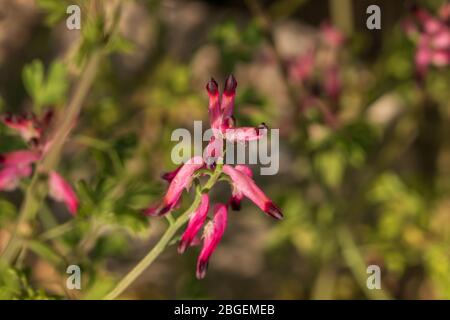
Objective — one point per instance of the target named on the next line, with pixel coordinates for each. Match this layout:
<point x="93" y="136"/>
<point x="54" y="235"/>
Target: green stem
<point x="154" y="252"/>
<point x="167" y="237"/>
<point x="33" y="195"/>
<point x="357" y="265"/>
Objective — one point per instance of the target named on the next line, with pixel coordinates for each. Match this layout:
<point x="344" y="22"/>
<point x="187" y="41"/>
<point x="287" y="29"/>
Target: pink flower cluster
<point x="432" y="36"/>
<point x="241" y="177"/>
<point x="318" y="72"/>
<point x="16" y="165"/>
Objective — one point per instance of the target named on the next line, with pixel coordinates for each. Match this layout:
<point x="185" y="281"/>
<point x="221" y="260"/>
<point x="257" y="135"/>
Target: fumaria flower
<point x="432" y="37"/>
<point x="240" y="176"/>
<point x="16" y="165"/>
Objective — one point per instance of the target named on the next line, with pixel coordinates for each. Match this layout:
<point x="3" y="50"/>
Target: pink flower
<point x="245" y="184"/>
<point x="19" y="158"/>
<point x="302" y="67"/>
<point x="214" y="103"/>
<point x="222" y="123"/>
<point x="331" y="36"/>
<point x="432" y="35"/>
<point x="332" y="82"/>
<point x="11" y="175"/>
<point x="211" y="237"/>
<point x="60" y="190"/>
<point x="228" y="95"/>
<point x="168" y="176"/>
<point x="16" y="165"/>
<point x="28" y="125"/>
<point x="181" y="181"/>
<point x="196" y="221"/>
<point x="236" y="194"/>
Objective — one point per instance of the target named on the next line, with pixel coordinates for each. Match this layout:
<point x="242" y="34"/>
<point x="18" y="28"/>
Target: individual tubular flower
<point x="236" y="193"/>
<point x="182" y="180"/>
<point x="245" y="185"/>
<point x="228" y="95"/>
<point x="60" y="190"/>
<point x="196" y="221"/>
<point x="11" y="175"/>
<point x="211" y="237"/>
<point x="214" y="104"/>
<point x="19" y="158"/>
<point x="16" y="165"/>
<point x="30" y="127"/>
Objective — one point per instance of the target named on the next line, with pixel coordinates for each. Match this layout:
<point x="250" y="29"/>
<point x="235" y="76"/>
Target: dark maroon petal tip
<point x="212" y="87"/>
<point x="157" y="210"/>
<point x="235" y="204"/>
<point x="201" y="269"/>
<point x="2" y="158"/>
<point x="274" y="211"/>
<point x="230" y="85"/>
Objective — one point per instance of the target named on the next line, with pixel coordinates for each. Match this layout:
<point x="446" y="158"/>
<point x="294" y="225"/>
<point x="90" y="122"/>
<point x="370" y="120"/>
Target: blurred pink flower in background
<point x="432" y="37"/>
<point x="16" y="165"/>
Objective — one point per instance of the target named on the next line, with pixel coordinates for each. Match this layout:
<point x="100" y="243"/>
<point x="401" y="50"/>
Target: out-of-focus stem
<point x="356" y="263"/>
<point x="34" y="195"/>
<point x="153" y="253"/>
<point x="342" y="15"/>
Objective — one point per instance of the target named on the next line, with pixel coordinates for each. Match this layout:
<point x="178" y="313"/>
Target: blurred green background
<point x="374" y="189"/>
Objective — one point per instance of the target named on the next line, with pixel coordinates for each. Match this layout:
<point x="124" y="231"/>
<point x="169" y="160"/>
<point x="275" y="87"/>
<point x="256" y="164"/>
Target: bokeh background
<point x="364" y="146"/>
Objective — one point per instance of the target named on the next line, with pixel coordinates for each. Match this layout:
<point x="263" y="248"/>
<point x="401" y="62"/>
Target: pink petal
<point x="247" y="186"/>
<point x="19" y="158"/>
<point x="244" y="134"/>
<point x="331" y="35"/>
<point x="214" y="104"/>
<point x="212" y="235"/>
<point x="441" y="58"/>
<point x="60" y="190"/>
<point x="422" y="60"/>
<point x="228" y="96"/>
<point x="444" y="11"/>
<point x="213" y="151"/>
<point x="332" y="82"/>
<point x="196" y="221"/>
<point x="25" y="125"/>
<point x="302" y="68"/>
<point x="168" y="176"/>
<point x="441" y="40"/>
<point x="181" y="181"/>
<point x="237" y="195"/>
<point x="10" y="176"/>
